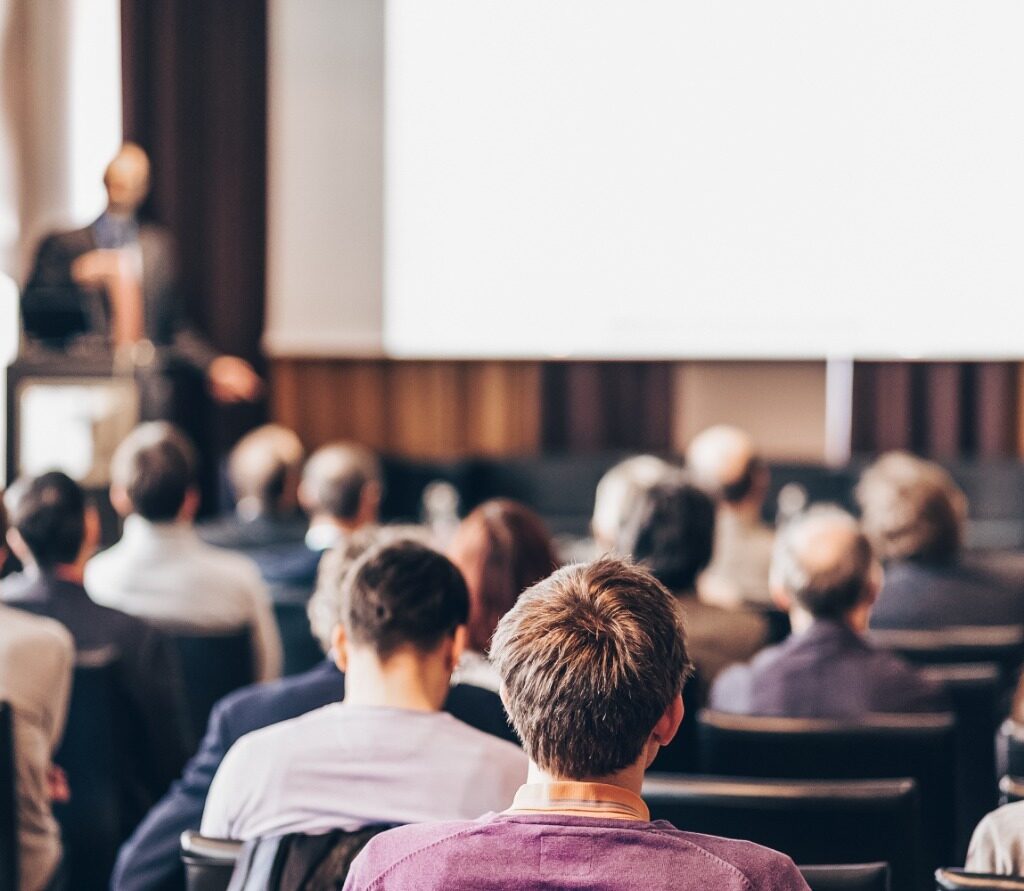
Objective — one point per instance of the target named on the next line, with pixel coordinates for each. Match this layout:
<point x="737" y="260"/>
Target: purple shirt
<point x="527" y="852"/>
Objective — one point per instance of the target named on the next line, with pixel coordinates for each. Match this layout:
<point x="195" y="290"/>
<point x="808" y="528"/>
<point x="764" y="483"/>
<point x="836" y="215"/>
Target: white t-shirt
<point x="346" y="767"/>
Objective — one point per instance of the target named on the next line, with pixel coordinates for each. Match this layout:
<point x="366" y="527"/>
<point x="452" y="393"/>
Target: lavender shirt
<point x="526" y="852"/>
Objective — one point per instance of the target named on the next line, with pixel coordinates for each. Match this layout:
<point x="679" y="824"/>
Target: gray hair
<point x="335" y="477"/>
<point x="823" y="561"/>
<point x="620" y="491"/>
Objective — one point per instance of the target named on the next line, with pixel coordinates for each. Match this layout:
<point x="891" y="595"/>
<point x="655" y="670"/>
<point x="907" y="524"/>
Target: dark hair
<point x="671" y="532"/>
<point x="590" y="659"/>
<point x="336" y="476"/>
<point x="741" y="487"/>
<point x="156" y="466"/>
<point x="403" y="593"/>
<point x="502" y="548"/>
<point x="49" y="514"/>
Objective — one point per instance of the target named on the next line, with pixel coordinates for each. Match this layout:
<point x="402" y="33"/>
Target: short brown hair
<point x="156" y="466"/>
<point x="590" y="659"/>
<point x="502" y="548"/>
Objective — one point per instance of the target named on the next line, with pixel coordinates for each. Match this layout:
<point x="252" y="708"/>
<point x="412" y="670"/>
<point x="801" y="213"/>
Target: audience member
<point x="53" y="528"/>
<point x="386" y="754"/>
<point x="340" y="493"/>
<point x="616" y="494"/>
<point x="997" y="846"/>
<point x="670" y="531"/>
<point x="501" y="548"/>
<point x="160" y="570"/>
<point x="592" y="662"/>
<point x="723" y="461"/>
<point x="824" y="574"/>
<point x="263" y="471"/>
<point x="36" y="659"/>
<point x="913" y="513"/>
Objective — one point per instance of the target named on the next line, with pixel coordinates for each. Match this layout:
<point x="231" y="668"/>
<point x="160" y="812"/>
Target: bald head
<point x="127" y="179"/>
<point x="341" y="482"/>
<point x="723" y="461"/>
<point x="824" y="564"/>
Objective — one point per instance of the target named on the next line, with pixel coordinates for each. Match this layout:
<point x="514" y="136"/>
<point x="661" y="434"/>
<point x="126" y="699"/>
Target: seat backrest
<point x="1010" y="749"/>
<point x="8" y="803"/>
<point x="960" y="880"/>
<point x="852" y="821"/>
<point x="851" y="877"/>
<point x="208" y="862"/>
<point x="922" y="747"/>
<point x="212" y="666"/>
<point x="1001" y="644"/>
<point x="300" y="648"/>
<point x="93" y="821"/>
<point x="974" y="691"/>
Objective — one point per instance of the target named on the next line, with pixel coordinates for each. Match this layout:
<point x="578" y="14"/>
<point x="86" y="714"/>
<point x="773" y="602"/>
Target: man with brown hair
<point x="592" y="662"/>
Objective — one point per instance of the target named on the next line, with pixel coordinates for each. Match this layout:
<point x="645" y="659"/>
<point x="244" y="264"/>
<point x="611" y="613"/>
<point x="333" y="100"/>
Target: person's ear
<point x="666" y="728"/>
<point x="339" y="647"/>
<point x="120" y="501"/>
<point x="189" y="505"/>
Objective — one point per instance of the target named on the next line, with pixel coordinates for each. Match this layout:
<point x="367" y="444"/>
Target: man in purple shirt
<point x="592" y="663"/>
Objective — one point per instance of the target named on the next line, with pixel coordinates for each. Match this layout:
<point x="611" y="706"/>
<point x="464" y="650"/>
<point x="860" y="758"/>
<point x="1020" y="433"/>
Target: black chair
<point x="852" y="877"/>
<point x="94" y="822"/>
<point x="212" y="666"/>
<point x="8" y="803"/>
<point x="959" y="880"/>
<point x="852" y="821"/>
<point x="922" y="747"/>
<point x="974" y="693"/>
<point x="1001" y="644"/>
<point x="208" y="862"/>
<point x="301" y="650"/>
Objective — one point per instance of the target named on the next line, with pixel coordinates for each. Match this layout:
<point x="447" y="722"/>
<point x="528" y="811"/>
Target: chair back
<point x="852" y="877"/>
<point x="1001" y="644"/>
<point x="213" y="665"/>
<point x="93" y="821"/>
<point x="921" y="747"/>
<point x="960" y="880"/>
<point x="300" y="648"/>
<point x="851" y="821"/>
<point x="208" y="862"/>
<point x="973" y="690"/>
<point x="8" y="803"/>
<point x="1010" y="749"/>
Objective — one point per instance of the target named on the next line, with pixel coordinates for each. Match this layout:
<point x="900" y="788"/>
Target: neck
<point x="630" y="778"/>
<point x="407" y="679"/>
<point x="856" y="619"/>
<point x="749" y="509"/>
<point x="70" y="572"/>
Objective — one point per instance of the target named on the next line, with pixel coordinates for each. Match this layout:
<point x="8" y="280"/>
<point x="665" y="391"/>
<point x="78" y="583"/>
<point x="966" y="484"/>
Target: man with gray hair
<point x="825" y="575"/>
<point x="617" y="494"/>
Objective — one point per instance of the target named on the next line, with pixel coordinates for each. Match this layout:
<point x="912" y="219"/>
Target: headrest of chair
<point x="959" y="636"/>
<point x="850" y="877"/>
<point x="671" y="785"/>
<point x="223" y="850"/>
<point x="869" y="724"/>
<point x="956" y="879"/>
<point x="963" y="672"/>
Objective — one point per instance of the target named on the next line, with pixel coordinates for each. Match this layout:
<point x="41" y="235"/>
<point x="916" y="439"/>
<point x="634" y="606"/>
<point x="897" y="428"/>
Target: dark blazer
<point x="149" y="859"/>
<point x="829" y="671"/>
<point x="148" y="671"/>
<point x="163" y="318"/>
<point x="928" y="596"/>
<point x="252" y="535"/>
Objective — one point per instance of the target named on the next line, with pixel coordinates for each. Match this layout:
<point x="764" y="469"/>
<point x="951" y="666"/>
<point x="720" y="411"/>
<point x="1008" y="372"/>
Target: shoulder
<point x="471" y="738"/>
<point x="230" y="563"/>
<point x="760" y="866"/>
<point x="38" y="634"/>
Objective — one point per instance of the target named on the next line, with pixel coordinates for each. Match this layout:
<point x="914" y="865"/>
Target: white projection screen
<point x="737" y="179"/>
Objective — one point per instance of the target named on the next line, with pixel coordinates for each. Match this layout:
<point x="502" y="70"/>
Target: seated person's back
<point x="387" y="754"/>
<point x="54" y="532"/>
<point x="592" y="662"/>
<point x="824" y="574"/>
<point x="913" y="513"/>
<point x="997" y="845"/>
<point x="160" y="570"/>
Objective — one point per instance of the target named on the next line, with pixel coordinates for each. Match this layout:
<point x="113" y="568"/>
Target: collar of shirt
<point x="323" y="537"/>
<point x="112" y="231"/>
<point x="138" y="531"/>
<point x="580" y="800"/>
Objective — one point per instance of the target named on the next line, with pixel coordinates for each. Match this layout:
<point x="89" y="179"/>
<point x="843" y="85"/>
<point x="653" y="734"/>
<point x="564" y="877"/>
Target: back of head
<point x="823" y="561"/>
<point x="502" y="548"/>
<point x="911" y="509"/>
<point x="401" y="595"/>
<point x="263" y="466"/>
<point x="723" y="461"/>
<point x="155" y="467"/>
<point x="671" y="532"/>
<point x="335" y="480"/>
<point x="590" y="659"/>
<point x="617" y="492"/>
<point x="48" y="513"/>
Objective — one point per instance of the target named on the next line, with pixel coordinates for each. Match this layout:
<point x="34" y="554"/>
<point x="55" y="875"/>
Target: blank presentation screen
<point x="659" y="178"/>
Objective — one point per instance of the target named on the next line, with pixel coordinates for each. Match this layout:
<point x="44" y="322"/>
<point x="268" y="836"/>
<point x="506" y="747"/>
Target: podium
<point x="67" y="410"/>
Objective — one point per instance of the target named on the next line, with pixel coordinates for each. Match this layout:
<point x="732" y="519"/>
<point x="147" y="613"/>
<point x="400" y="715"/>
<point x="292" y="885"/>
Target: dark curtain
<point x="195" y="87"/>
